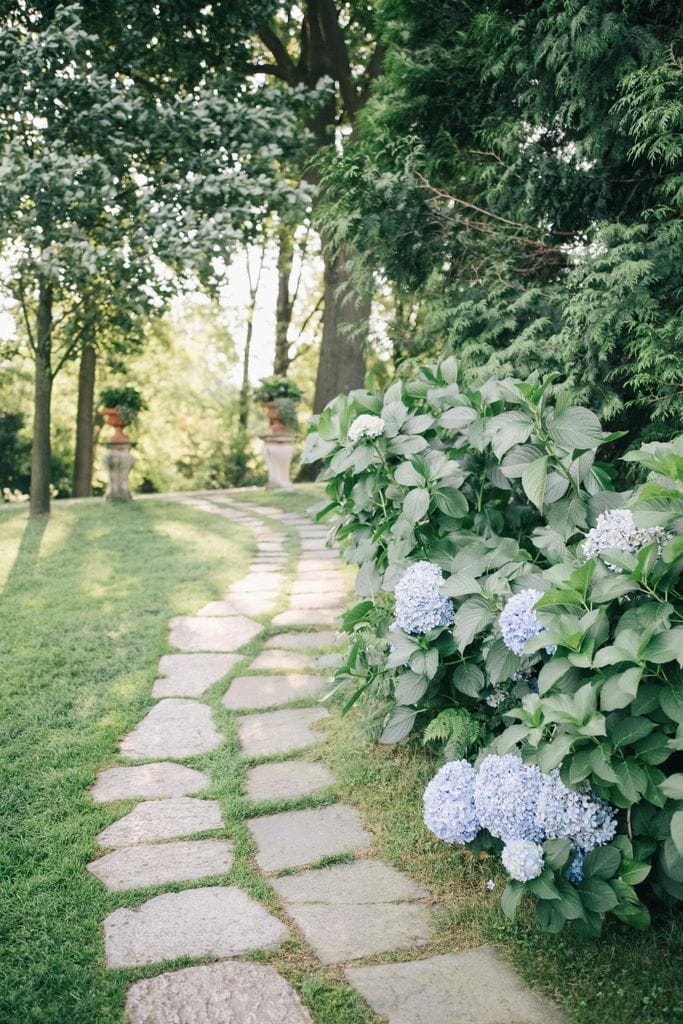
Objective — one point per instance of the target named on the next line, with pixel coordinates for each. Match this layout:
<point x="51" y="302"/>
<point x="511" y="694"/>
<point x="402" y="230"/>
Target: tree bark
<point x="283" y="312"/>
<point x="83" y="460"/>
<point x="41" y="451"/>
<point x="341" y="366"/>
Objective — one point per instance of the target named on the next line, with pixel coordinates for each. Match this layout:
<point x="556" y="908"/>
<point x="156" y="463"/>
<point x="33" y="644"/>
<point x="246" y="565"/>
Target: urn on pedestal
<point x="121" y="407"/>
<point x="279" y="397"/>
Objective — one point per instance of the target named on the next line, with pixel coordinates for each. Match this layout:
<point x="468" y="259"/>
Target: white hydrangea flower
<point x="523" y="860"/>
<point x="616" y="529"/>
<point x="366" y="426"/>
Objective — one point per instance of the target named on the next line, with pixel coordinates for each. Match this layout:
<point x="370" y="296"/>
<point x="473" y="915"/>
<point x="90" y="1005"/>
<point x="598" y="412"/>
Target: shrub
<point x="126" y="400"/>
<point x="557" y="632"/>
<point x="269" y="389"/>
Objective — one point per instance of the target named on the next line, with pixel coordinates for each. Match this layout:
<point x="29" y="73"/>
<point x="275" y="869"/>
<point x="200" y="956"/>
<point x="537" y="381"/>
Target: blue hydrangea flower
<point x="616" y="529"/>
<point x="420" y="605"/>
<point x="519" y="622"/>
<point x="449" y="810"/>
<point x="505" y="797"/>
<point x="574" y="872"/>
<point x="522" y="860"/>
<point x="582" y="817"/>
<point x="366" y="426"/>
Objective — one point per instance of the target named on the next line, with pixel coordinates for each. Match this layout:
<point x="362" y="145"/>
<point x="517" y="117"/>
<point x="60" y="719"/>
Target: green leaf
<point x="501" y="663"/>
<point x="633" y="872"/>
<point x="451" y="502"/>
<point x="557" y="852"/>
<point x="415" y="504"/>
<point x="677" y="831"/>
<point x="620" y="690"/>
<point x="666" y="646"/>
<point x="628" y="730"/>
<point x="631" y="780"/>
<point x="544" y="886"/>
<point x="601" y="863"/>
<point x="353" y="616"/>
<point x="597" y="895"/>
<point x="469" y="679"/>
<point x="673" y="786"/>
<point x="408" y="476"/>
<point x="517" y="460"/>
<point x="508" y="429"/>
<point x="576" y="427"/>
<point x="409" y="688"/>
<point x="509" y="901"/>
<point x="471" y="618"/>
<point x="398" y="725"/>
<point x="635" y="915"/>
<point x="460" y="585"/>
<point x="570" y="905"/>
<point x="552" y="754"/>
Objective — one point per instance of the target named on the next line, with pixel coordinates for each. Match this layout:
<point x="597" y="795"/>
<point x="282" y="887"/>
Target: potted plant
<point x="121" y="406"/>
<point x="279" y="396"/>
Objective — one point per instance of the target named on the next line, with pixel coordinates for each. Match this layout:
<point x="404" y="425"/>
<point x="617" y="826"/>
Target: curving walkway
<point x="174" y="835"/>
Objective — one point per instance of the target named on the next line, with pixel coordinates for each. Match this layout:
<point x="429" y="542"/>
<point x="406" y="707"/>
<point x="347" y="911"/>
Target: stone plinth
<point x="278" y="451"/>
<point x="118" y="461"/>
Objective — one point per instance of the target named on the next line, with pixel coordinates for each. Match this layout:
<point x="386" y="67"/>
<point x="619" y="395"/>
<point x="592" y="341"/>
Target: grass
<point x="302" y="498"/>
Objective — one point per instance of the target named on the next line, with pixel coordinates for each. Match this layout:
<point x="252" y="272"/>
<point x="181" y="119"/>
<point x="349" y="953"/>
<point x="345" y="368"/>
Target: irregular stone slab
<point x="278" y="732"/>
<point x="474" y="987"/>
<point x="329" y="599"/>
<point x="225" y="993"/>
<point x="217" y="921"/>
<point x="281" y="661"/>
<point x="244" y="604"/>
<point x="260" y="582"/>
<point x="295" y="838"/>
<point x="362" y="882"/>
<point x="191" y="675"/>
<point x="314" y="544"/>
<point x="303" y="641"/>
<point x="284" y="780"/>
<point x="147" y="781"/>
<point x="162" y="819"/>
<point x="350" y="932"/>
<point x="318" y="561"/>
<point x="175" y="727"/>
<point x="267" y="691"/>
<point x="136" y="867"/>
<point x="307" y="617"/>
<point x="207" y="634"/>
<point x="311" y="585"/>
<point x="334" y="577"/>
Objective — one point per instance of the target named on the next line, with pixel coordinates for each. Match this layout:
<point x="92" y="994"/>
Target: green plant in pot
<point x="279" y="396"/>
<point x="121" y="406"/>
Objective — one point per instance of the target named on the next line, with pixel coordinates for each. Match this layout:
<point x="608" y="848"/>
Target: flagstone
<point x="136" y="867"/>
<point x="174" y="728"/>
<point x="307" y="616"/>
<point x="193" y="633"/>
<point x="147" y="781"/>
<point x="473" y="987"/>
<point x="303" y="641"/>
<point x="285" y="780"/>
<point x="156" y="820"/>
<point x="266" y="691"/>
<point x="352" y="931"/>
<point x="258" y="583"/>
<point x="206" y="922"/>
<point x="311" y="585"/>
<point x="224" y="993"/>
<point x="363" y="881"/>
<point x="281" y="661"/>
<point x="318" y="562"/>
<point x="242" y="604"/>
<point x="294" y="838"/>
<point x="191" y="675"/>
<point x="328" y="599"/>
<point x="278" y="732"/>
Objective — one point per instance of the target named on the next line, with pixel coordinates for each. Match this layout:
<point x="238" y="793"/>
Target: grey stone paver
<point x="267" y="691"/>
<point x="259" y="583"/>
<point x="363" y="881"/>
<point x="278" y="732"/>
<point x="207" y="922"/>
<point x="146" y="781"/>
<point x="294" y="838"/>
<point x="474" y="987"/>
<point x="225" y="993"/>
<point x="162" y="819"/>
<point x="284" y="780"/>
<point x="244" y="604"/>
<point x="330" y="599"/>
<point x="194" y="633"/>
<point x="318" y="561"/>
<point x="308" y="617"/>
<point x="281" y="661"/>
<point x="136" y="867"/>
<point x="352" y="931"/>
<point x="310" y="585"/>
<point x="191" y="675"/>
<point x="174" y="728"/>
<point x="303" y="641"/>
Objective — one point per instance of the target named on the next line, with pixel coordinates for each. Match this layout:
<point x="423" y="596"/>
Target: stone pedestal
<point x="278" y="451"/>
<point x="118" y="461"/>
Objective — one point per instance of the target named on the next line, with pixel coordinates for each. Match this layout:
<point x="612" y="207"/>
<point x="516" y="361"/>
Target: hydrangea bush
<point x="491" y="620"/>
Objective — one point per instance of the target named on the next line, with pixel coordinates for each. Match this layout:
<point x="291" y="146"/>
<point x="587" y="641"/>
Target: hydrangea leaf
<point x="601" y="863"/>
<point x="398" y="725"/>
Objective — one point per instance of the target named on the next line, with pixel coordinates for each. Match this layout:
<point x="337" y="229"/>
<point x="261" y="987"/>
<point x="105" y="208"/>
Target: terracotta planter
<point x="274" y="422"/>
<point x="115" y="421"/>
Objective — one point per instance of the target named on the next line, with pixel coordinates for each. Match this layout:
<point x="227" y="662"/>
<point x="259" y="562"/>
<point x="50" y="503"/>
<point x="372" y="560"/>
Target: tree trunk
<point x="283" y="312"/>
<point x="83" y="461"/>
<point x="341" y="367"/>
<point x="41" y="452"/>
<point x="244" y="390"/>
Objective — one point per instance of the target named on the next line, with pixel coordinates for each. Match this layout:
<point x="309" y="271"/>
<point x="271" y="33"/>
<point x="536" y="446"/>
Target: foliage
<point x="15" y="456"/>
<point x="271" y="388"/>
<point x="498" y="487"/>
<point x="127" y="402"/>
<point x="287" y="412"/>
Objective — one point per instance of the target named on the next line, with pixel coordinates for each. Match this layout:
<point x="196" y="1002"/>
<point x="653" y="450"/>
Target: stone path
<point x="175" y="836"/>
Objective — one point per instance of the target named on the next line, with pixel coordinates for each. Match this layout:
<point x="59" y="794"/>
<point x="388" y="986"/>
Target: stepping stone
<point x="474" y="987"/>
<point x="174" y="728"/>
<point x="191" y="675"/>
<point x="279" y="732"/>
<point x="311" y="585"/>
<point x="162" y="819"/>
<point x="225" y="993"/>
<point x="307" y="617"/>
<point x="295" y="838"/>
<point x="266" y="691"/>
<point x="136" y="867"/>
<point x="332" y="575"/>
<point x="258" y="583"/>
<point x="207" y="922"/>
<point x="281" y="661"/>
<point x="205" y="634"/>
<point x="146" y="781"/>
<point x="353" y="910"/>
<point x="284" y="780"/>
<point x="319" y="561"/>
<point x="329" y="599"/>
<point x="303" y="641"/>
<point x="242" y="604"/>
